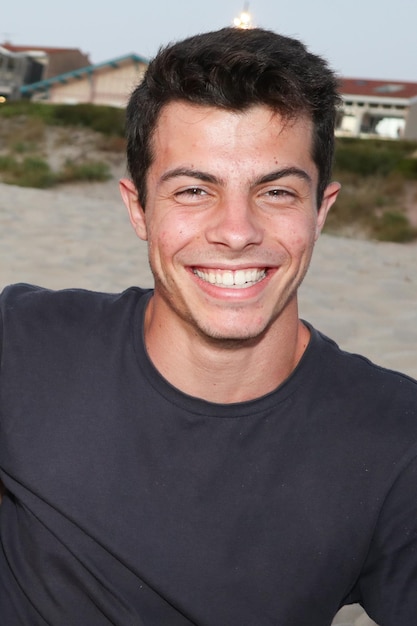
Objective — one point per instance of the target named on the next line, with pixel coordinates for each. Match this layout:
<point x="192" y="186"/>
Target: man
<point x="196" y="454"/>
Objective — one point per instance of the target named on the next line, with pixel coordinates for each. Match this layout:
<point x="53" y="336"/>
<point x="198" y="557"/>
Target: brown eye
<point x="191" y="191"/>
<point x="279" y="193"/>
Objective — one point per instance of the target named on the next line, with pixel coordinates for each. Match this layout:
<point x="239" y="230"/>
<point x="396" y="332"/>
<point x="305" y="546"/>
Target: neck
<point x="226" y="372"/>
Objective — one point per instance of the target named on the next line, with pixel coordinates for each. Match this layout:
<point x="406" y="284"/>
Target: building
<point x="378" y="108"/>
<point x="107" y="83"/>
<point x="370" y="108"/>
<point x="54" y="60"/>
<point x="16" y="69"/>
<point x="22" y="65"/>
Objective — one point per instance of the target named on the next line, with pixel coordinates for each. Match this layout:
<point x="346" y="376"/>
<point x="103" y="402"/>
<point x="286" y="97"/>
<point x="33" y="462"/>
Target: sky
<point x="360" y="38"/>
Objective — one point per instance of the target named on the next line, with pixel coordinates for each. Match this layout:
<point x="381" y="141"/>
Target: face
<point x="231" y="219"/>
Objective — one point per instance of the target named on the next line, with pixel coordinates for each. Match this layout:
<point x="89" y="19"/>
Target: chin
<point x="232" y="337"/>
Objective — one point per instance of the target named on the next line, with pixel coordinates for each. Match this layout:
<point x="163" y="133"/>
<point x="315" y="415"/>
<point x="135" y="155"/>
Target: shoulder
<point x="23" y="293"/>
<point x="356" y="370"/>
<point x="23" y="297"/>
<point x="363" y="401"/>
<point x="31" y="308"/>
<point x="361" y="417"/>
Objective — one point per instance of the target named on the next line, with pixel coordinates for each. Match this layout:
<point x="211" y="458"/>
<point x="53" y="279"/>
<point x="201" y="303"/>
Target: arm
<point x="388" y="585"/>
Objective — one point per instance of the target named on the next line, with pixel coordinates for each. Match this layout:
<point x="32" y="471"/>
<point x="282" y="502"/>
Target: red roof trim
<point x="13" y="48"/>
<point x="378" y="88"/>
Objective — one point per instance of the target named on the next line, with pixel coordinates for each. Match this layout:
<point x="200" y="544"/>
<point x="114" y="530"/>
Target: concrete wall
<point x="410" y="131"/>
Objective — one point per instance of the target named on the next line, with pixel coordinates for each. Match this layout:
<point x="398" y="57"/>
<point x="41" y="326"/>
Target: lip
<point x="244" y="291"/>
<point x="233" y="278"/>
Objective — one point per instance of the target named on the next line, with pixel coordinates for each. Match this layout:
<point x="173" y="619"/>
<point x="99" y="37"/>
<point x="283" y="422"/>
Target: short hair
<point x="234" y="69"/>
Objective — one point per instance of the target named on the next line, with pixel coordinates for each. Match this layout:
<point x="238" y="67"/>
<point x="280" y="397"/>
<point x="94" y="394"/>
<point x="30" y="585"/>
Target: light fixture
<point x="244" y="20"/>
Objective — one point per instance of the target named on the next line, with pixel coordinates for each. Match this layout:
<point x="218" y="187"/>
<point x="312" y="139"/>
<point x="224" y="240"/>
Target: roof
<point x="378" y="88"/>
<point x="12" y="48"/>
<point x="83" y="71"/>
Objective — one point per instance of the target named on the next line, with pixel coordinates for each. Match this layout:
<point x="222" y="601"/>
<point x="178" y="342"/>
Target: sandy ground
<point x="363" y="294"/>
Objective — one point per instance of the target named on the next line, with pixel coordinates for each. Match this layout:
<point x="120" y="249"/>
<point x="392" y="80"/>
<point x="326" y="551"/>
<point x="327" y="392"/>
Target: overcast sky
<point x="360" y="38"/>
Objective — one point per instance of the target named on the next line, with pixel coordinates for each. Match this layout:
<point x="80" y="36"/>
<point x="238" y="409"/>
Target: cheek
<point x="160" y="243"/>
<point x="166" y="241"/>
<point x="299" y="234"/>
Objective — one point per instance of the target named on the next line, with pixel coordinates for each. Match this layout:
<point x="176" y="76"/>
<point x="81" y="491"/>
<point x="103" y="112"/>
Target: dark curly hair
<point x="234" y="69"/>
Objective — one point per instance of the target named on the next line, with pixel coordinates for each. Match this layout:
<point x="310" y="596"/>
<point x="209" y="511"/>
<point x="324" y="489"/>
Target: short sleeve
<point x="388" y="585"/>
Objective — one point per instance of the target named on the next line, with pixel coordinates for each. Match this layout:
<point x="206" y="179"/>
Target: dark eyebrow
<point x="185" y="171"/>
<point x="210" y="178"/>
<point x="286" y="171"/>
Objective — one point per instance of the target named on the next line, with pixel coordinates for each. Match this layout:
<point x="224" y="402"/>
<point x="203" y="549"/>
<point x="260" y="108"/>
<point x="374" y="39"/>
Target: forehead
<point x="182" y="113"/>
<point x="189" y="133"/>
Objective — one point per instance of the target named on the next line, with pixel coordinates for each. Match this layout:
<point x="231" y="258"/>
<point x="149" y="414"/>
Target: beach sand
<point x="362" y="294"/>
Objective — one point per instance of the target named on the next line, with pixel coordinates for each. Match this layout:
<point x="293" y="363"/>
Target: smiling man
<point x="196" y="454"/>
<point x="231" y="218"/>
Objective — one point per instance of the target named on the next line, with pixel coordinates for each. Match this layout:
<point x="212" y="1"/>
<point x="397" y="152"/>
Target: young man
<point x="196" y="454"/>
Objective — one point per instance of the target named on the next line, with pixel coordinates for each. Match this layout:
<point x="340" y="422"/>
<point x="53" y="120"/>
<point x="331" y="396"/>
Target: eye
<point x="279" y="193"/>
<point x="277" y="197"/>
<point x="193" y="192"/>
<point x="192" y="195"/>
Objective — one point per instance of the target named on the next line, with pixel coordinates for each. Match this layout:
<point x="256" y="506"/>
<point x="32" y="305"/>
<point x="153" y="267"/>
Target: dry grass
<point x="112" y="144"/>
<point x="374" y="207"/>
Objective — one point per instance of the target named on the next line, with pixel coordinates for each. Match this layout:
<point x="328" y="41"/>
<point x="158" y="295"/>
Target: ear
<point x="136" y="212"/>
<point x="329" y="198"/>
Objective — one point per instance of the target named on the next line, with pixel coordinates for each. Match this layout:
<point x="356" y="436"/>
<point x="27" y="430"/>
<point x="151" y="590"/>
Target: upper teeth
<point x="229" y="278"/>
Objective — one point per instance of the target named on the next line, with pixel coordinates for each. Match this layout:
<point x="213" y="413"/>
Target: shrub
<point x="22" y="146"/>
<point x="104" y="119"/>
<point x="355" y="205"/>
<point x="394" y="226"/>
<point x="31" y="172"/>
<point x="113" y="143"/>
<point x="88" y="171"/>
<point x="371" y="206"/>
<point x="372" y="157"/>
<point x="408" y="168"/>
<point x="35" y="172"/>
<point x="15" y="108"/>
<point x="365" y="160"/>
<point x="8" y="163"/>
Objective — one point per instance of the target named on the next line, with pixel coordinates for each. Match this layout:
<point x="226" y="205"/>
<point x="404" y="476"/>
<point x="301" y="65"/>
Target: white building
<point x="378" y="108"/>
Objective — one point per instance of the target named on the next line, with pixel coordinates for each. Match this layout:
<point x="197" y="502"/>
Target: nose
<point x="235" y="224"/>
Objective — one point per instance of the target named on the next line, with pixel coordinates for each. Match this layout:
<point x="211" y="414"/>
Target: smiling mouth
<point x="232" y="279"/>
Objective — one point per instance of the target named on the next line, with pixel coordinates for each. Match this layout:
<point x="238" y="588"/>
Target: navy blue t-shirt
<point x="131" y="503"/>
